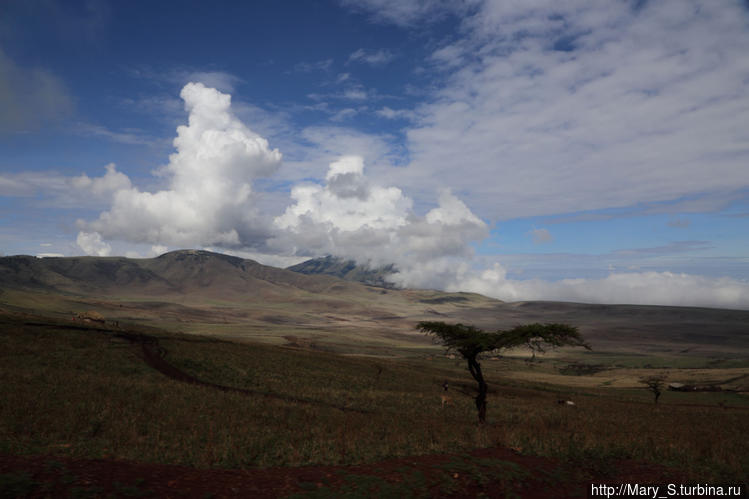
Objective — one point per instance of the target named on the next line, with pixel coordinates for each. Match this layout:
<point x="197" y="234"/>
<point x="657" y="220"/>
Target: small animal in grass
<point x="565" y="402"/>
<point x="446" y="399"/>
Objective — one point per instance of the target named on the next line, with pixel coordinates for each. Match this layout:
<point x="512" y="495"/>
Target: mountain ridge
<point x="236" y="298"/>
<point x="348" y="270"/>
<point x="173" y="272"/>
<point x="213" y="293"/>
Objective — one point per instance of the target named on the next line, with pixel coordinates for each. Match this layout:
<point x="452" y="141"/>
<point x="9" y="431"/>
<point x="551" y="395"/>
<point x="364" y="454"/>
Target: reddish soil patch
<point x="489" y="472"/>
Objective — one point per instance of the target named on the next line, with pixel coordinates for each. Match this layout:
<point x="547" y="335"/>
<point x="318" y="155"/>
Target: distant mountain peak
<point x="347" y="269"/>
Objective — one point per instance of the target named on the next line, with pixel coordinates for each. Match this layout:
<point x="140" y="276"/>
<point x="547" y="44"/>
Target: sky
<point x="527" y="150"/>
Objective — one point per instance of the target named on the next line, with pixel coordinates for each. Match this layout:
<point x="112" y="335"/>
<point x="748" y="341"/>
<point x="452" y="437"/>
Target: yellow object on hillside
<point x="90" y="316"/>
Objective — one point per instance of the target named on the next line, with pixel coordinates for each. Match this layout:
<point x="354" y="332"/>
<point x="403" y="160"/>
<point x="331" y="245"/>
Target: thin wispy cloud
<point x="630" y="109"/>
<point x="31" y="97"/>
<point x="679" y="223"/>
<point x="30" y="183"/>
<point x="308" y="67"/>
<point x="220" y="80"/>
<point x="54" y="189"/>
<point x="449" y="56"/>
<point x="344" y="114"/>
<point x="355" y="93"/>
<point x="178" y="76"/>
<point x="133" y="137"/>
<point x="391" y="114"/>
<point x="407" y="13"/>
<point x="541" y="236"/>
<point x="675" y="247"/>
<point x="350" y="92"/>
<point x="373" y="58"/>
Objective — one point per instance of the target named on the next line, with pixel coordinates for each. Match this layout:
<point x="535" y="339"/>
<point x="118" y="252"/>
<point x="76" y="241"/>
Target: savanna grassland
<point x="213" y="369"/>
<point x="85" y="391"/>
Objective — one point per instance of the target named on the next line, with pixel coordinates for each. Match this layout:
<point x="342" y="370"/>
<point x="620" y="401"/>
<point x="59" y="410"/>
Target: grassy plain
<point x="84" y="392"/>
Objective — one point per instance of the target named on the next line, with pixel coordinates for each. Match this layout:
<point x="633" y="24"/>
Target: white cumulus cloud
<point x="111" y="182"/>
<point x="350" y="216"/>
<point x="92" y="244"/>
<point x="210" y="197"/>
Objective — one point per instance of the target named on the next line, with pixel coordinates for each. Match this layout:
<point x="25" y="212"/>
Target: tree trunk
<point x="475" y="368"/>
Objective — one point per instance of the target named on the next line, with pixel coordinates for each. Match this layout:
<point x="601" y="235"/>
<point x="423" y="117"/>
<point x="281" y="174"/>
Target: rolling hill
<point x="212" y="293"/>
<point x="182" y="272"/>
<point x="221" y="295"/>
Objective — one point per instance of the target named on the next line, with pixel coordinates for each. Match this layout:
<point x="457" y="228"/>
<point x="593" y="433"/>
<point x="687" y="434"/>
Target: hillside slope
<point x="212" y="293"/>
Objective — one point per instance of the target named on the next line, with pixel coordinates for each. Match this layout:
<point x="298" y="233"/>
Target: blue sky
<point x="526" y="150"/>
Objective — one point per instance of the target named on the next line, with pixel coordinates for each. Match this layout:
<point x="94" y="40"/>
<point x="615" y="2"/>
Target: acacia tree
<point x="654" y="384"/>
<point x="471" y="342"/>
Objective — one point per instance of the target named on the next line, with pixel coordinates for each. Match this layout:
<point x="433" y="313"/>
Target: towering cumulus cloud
<point x="209" y="200"/>
<point x="348" y="216"/>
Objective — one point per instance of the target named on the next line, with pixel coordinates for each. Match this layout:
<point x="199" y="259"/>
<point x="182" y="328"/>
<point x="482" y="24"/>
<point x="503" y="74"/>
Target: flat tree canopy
<point x="471" y="341"/>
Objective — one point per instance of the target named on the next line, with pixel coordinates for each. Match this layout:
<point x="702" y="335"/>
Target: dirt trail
<point x="154" y="355"/>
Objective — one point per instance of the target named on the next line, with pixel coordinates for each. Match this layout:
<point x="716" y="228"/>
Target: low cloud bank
<point x="636" y="288"/>
<point x="209" y="202"/>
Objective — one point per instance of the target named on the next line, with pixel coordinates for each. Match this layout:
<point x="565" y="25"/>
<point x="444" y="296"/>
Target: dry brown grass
<point x="86" y="393"/>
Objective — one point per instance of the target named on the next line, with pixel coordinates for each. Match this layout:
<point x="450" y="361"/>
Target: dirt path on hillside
<point x="481" y="473"/>
<point x="154" y="355"/>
